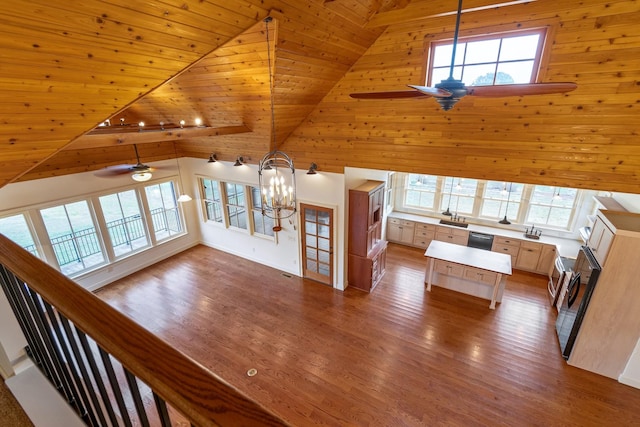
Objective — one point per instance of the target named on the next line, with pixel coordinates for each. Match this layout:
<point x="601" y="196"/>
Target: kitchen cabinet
<point x="600" y="240"/>
<point x="472" y="271"/>
<point x="528" y="256"/>
<point x="423" y="235"/>
<point x="611" y="325"/>
<point x="536" y="257"/>
<point x="400" y="231"/>
<point x="367" y="250"/>
<point x="507" y="245"/>
<point x="547" y="259"/>
<point x="457" y="236"/>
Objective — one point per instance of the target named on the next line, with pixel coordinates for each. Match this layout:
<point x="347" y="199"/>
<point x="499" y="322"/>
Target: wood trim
<point x="196" y="392"/>
<point x="95" y="140"/>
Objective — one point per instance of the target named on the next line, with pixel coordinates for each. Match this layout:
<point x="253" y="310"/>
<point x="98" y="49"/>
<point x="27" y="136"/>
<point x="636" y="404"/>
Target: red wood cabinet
<point x="367" y="250"/>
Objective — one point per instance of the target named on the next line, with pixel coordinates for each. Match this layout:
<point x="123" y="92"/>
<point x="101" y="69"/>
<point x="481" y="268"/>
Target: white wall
<point x="631" y="374"/>
<point x="283" y="252"/>
<point x="630" y="202"/>
<point x="33" y="195"/>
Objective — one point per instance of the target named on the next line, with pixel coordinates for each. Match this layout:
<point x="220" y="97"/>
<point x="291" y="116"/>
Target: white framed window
<point x="74" y="237"/>
<point x="163" y="207"/>
<point x="494" y="59"/>
<point x="236" y="205"/>
<point x="262" y="224"/>
<point x="212" y="197"/>
<point x="17" y="228"/>
<point x="461" y="196"/>
<point x="501" y="199"/>
<point x="421" y="191"/>
<point x="551" y="206"/>
<point x="124" y="222"/>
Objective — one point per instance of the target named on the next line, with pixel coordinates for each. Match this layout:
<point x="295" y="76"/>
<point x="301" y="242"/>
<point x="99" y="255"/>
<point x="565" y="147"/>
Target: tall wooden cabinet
<point x="611" y="325"/>
<point x="367" y="250"/>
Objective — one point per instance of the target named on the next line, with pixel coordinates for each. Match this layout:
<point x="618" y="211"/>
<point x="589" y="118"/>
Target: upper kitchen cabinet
<point x="611" y="325"/>
<point x="600" y="239"/>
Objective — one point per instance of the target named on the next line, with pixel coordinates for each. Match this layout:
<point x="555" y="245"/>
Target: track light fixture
<point x="312" y="169"/>
<point x="212" y="158"/>
<point x="239" y="161"/>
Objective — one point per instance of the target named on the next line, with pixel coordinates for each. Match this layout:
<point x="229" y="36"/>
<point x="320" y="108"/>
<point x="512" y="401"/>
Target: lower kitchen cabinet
<point x="400" y="231"/>
<point x="528" y="256"/>
<point x="423" y="235"/>
<point x="457" y="236"/>
<point x="366" y="272"/>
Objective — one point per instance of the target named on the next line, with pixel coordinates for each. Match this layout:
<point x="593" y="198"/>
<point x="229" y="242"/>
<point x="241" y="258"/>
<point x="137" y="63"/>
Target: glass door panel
<point x="317" y="228"/>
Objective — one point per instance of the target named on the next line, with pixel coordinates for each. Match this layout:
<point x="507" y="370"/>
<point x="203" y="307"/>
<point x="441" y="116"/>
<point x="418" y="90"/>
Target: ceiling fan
<point x="139" y="172"/>
<point x="450" y="90"/>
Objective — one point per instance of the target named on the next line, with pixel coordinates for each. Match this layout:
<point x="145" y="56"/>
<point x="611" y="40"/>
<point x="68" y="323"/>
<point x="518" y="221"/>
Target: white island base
<point x="471" y="271"/>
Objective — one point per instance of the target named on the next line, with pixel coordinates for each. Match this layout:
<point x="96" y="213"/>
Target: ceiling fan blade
<point x="388" y="95"/>
<point x="432" y="91"/>
<point x="520" y="89"/>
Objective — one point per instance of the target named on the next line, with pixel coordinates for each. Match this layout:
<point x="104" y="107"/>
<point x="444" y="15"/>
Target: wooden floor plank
<point x="399" y="356"/>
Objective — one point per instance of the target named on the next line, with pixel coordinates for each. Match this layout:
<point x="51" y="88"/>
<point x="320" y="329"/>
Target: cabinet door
<point x="394" y="230"/>
<point x="448" y="268"/>
<point x="479" y="275"/>
<point x="546" y="260"/>
<point x="600" y="240"/>
<point x="423" y="235"/>
<point x="528" y="256"/>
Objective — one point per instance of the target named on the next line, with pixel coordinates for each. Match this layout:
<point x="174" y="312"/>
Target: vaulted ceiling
<point x="69" y="66"/>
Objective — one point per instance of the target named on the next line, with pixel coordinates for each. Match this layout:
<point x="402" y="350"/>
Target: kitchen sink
<point x="454" y="223"/>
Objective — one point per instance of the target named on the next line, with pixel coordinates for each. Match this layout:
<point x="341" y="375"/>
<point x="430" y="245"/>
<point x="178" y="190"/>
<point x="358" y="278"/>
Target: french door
<point x="317" y="234"/>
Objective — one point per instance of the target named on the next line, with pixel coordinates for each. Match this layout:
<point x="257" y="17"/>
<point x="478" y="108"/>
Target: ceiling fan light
<point x="141" y="176"/>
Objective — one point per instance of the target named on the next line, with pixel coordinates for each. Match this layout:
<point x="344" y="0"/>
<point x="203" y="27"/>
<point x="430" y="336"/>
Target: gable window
<point x="262" y="224"/>
<point x="73" y="235"/>
<point x="212" y="200"/>
<point x="504" y="58"/>
<point x="236" y="205"/>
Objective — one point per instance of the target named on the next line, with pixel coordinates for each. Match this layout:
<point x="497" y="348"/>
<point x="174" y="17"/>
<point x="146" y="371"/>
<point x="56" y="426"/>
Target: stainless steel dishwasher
<point x="480" y="240"/>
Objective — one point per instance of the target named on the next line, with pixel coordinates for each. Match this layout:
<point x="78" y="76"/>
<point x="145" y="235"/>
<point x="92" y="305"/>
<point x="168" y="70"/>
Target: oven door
<point x="555" y="281"/>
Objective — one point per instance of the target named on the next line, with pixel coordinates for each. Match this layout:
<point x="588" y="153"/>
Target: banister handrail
<point x="193" y="390"/>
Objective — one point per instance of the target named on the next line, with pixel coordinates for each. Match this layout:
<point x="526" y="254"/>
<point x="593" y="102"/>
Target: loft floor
<point x="396" y="357"/>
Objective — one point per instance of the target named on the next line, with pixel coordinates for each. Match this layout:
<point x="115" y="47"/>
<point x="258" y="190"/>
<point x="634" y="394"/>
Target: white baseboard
<point x="633" y="382"/>
<point x="44" y="406"/>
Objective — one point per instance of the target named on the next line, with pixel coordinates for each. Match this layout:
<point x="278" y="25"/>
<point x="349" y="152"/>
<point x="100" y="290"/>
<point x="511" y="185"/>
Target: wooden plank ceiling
<point x="75" y="64"/>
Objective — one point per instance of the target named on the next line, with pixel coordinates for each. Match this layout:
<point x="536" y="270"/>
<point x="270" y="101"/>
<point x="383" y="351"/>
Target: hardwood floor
<point x="399" y="356"/>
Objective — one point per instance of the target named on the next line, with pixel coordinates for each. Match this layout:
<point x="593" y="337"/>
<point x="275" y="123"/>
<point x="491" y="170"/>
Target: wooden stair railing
<point x="73" y="336"/>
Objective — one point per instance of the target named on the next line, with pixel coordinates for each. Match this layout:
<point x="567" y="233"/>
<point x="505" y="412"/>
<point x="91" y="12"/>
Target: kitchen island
<point x="468" y="270"/>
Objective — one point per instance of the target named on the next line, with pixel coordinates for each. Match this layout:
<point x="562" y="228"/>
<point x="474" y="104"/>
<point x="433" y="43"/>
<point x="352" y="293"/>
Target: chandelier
<point x="276" y="172"/>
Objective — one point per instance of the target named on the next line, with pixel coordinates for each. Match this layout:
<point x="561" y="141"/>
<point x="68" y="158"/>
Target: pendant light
<point x="448" y="212"/>
<point x="184" y="197"/>
<point x="506" y="210"/>
<point x="276" y="172"/>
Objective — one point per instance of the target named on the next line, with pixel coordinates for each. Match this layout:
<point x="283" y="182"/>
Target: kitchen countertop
<point x="566" y="247"/>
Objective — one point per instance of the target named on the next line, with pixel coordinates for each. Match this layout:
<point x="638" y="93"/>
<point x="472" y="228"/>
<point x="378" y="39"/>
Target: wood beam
<point x="110" y="139"/>
<point x="434" y="9"/>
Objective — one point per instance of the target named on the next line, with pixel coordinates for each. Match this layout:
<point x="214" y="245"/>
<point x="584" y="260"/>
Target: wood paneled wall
<point x="588" y="138"/>
<point x="67" y="66"/>
<point x="74" y="65"/>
